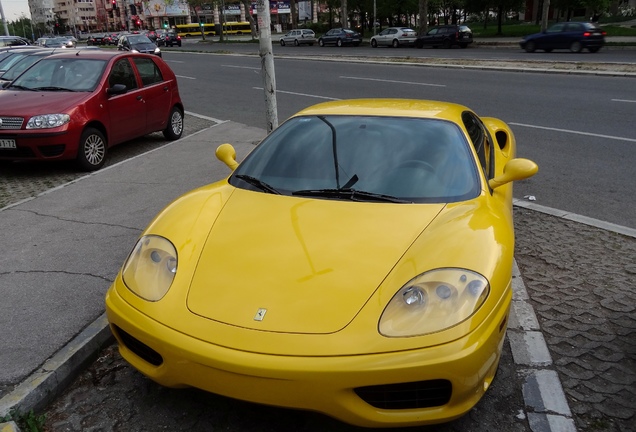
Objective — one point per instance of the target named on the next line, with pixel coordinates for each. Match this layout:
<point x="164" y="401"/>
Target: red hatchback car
<point x="78" y="105"/>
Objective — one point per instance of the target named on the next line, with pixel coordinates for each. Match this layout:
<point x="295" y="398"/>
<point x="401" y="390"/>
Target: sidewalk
<point x="63" y="248"/>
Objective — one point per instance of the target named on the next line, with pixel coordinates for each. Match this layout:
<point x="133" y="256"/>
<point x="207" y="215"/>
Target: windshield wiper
<point x="52" y="88"/>
<point x="20" y="87"/>
<point x="351" y="194"/>
<point x="258" y="183"/>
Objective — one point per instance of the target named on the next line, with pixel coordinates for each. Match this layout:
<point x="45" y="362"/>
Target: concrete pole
<point x="267" y="63"/>
<point x="4" y="21"/>
<point x="546" y="10"/>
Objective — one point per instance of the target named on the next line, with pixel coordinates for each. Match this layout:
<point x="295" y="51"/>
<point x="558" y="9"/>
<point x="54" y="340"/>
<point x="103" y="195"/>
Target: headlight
<point x="151" y="267"/>
<point x="434" y="301"/>
<point x="134" y="50"/>
<point x="157" y="50"/>
<point x="46" y="121"/>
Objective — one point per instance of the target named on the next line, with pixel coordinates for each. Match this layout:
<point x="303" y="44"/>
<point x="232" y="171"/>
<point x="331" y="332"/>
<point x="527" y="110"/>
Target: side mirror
<point x="226" y="154"/>
<point x="514" y="170"/>
<point x="116" y="89"/>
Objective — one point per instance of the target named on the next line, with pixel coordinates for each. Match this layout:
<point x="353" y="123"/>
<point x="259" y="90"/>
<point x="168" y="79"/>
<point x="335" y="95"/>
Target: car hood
<point x="296" y="265"/>
<point x="28" y="103"/>
<point x="144" y="46"/>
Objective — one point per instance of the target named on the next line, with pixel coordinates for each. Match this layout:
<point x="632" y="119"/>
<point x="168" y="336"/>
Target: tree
<point x="423" y="12"/>
<point x="196" y="6"/>
<point x="247" y="4"/>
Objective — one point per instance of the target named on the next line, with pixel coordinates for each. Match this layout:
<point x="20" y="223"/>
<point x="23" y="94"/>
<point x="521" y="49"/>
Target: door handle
<point x="139" y="98"/>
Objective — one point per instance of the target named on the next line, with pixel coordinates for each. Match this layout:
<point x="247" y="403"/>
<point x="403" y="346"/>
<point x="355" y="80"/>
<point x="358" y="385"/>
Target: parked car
<point x="358" y="262"/>
<point x="78" y="105"/>
<point x="138" y="43"/>
<point x="22" y="62"/>
<point x="14" y="56"/>
<point x="446" y="36"/>
<point x="574" y="36"/>
<point x="395" y="37"/>
<point x="152" y="35"/>
<point x="54" y="42"/>
<point x="340" y="37"/>
<point x="97" y="39"/>
<point x="12" y="41"/>
<point x="112" y="38"/>
<point x="168" y="38"/>
<point x="298" y="37"/>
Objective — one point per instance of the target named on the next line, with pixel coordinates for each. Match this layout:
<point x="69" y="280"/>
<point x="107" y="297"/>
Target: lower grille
<point x="139" y="348"/>
<point x="51" y="151"/>
<point x="420" y="394"/>
<point x="20" y="152"/>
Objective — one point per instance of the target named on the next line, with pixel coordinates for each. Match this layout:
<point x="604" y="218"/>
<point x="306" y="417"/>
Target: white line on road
<point x="185" y="77"/>
<point x="393" y="81"/>
<point x="299" y="94"/>
<point x="624" y="100"/>
<point x="574" y="132"/>
<point x="242" y="67"/>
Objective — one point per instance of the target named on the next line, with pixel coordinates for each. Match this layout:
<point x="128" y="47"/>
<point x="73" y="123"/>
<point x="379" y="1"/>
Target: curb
<point x="46" y="383"/>
<point x="545" y="402"/>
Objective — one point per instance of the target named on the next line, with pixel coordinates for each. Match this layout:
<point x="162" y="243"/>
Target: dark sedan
<point x="574" y="36"/>
<point x="446" y="36"/>
<point x="137" y="43"/>
<point x="340" y="37"/>
<point x="97" y="39"/>
<point x="78" y="105"/>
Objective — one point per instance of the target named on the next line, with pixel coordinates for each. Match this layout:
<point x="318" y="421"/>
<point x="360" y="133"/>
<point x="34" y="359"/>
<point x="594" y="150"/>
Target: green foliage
<point x="29" y="422"/>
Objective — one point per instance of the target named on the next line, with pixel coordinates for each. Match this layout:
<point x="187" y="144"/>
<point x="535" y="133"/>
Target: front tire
<point x="282" y="42"/>
<point x="339" y="43"/>
<point x="91" y="153"/>
<point x="174" y="129"/>
<point x="531" y="47"/>
<point x="374" y="43"/>
<point x="396" y="43"/>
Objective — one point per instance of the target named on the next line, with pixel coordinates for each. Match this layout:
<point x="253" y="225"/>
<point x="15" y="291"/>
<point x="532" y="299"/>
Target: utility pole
<point x="267" y="63"/>
<point x="4" y="21"/>
<point x="546" y="10"/>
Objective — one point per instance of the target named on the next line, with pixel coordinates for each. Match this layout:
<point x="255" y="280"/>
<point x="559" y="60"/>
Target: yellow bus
<point x="237" y="27"/>
<point x="194" y="29"/>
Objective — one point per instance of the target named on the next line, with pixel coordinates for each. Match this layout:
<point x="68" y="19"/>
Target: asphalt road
<point x="578" y="128"/>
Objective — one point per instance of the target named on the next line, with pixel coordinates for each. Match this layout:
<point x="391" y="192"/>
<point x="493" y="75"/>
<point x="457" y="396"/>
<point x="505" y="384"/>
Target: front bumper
<point x="448" y="380"/>
<point x="53" y="144"/>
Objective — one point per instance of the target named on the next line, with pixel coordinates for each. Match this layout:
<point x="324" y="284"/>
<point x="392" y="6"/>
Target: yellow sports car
<point x="357" y="263"/>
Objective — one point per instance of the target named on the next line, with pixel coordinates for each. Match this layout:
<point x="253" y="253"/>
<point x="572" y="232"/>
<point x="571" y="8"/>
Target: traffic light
<point x="138" y="23"/>
<point x="165" y="24"/>
<point x="114" y="4"/>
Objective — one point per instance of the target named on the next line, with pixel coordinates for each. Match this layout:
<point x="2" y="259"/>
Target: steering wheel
<point x="415" y="163"/>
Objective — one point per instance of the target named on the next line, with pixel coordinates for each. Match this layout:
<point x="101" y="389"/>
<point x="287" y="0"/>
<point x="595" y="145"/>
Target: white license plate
<point x="7" y="144"/>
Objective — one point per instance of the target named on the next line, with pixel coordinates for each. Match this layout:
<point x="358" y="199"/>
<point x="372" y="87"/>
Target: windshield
<point x="411" y="160"/>
<point x="20" y="67"/>
<point x="61" y="74"/>
<point x="139" y="39"/>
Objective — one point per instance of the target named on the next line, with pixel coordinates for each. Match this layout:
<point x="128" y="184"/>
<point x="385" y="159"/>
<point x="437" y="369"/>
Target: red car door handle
<point x="139" y="98"/>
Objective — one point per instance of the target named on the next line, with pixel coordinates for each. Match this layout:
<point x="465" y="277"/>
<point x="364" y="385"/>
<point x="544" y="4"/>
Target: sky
<point x="14" y="8"/>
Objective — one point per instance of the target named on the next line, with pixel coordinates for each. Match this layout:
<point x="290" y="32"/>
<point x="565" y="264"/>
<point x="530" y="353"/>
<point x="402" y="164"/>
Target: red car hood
<point x="29" y="103"/>
<point x="311" y="263"/>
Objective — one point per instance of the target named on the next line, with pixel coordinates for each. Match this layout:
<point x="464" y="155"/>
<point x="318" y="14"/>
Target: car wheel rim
<point x="94" y="150"/>
<point x="177" y="123"/>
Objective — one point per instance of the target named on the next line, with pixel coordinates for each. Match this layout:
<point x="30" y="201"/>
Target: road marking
<point x="393" y="81"/>
<point x="574" y="132"/>
<point x="624" y="100"/>
<point x="300" y="94"/>
<point x="174" y="61"/>
<point x="185" y="77"/>
<point x="242" y="67"/>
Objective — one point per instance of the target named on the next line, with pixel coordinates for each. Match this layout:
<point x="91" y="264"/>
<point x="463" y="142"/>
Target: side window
<point x="480" y="139"/>
<point x="148" y="71"/>
<point x="557" y="28"/>
<point x="122" y="73"/>
<point x="574" y="27"/>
